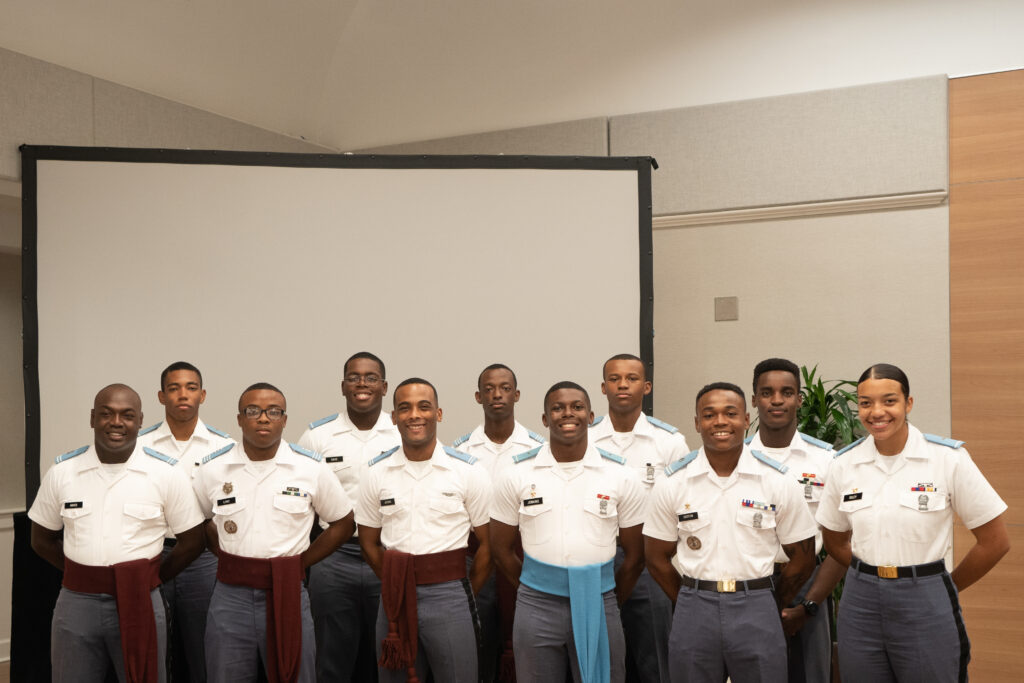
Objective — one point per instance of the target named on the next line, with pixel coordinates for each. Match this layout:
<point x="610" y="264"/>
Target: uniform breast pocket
<point x="601" y="521"/>
<point x="76" y="523"/>
<point x="694" y="531"/>
<point x="857" y="506"/>
<point x="394" y="517"/>
<point x="447" y="505"/>
<point x="338" y="463"/>
<point x="142" y="524"/>
<point x="229" y="516"/>
<point x="536" y="523"/>
<point x="923" y="515"/>
<point x="292" y="514"/>
<point x="758" y="528"/>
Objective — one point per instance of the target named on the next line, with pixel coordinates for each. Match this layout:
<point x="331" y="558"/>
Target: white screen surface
<point x="268" y="273"/>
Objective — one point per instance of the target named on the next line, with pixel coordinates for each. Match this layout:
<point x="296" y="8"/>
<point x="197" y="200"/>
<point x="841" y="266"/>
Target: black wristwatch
<point x="810" y="607"/>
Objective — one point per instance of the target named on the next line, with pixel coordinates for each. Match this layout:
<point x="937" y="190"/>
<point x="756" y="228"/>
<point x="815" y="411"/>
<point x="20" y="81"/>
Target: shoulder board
<point x="771" y="462"/>
<point x="459" y="455"/>
<point x="662" y="425"/>
<point x="159" y="456"/>
<point x="218" y="432"/>
<point x="323" y="421"/>
<point x="70" y="454"/>
<point x="681" y="463"/>
<point x="748" y="439"/>
<point x="150" y="428"/>
<point x="952" y="443"/>
<point x="461" y="440"/>
<point x="846" y="448"/>
<point x="532" y="453"/>
<point x="306" y="452"/>
<point x="597" y="421"/>
<point x="815" y="442"/>
<point x="611" y="456"/>
<point x="217" y="453"/>
<point x="383" y="456"/>
<point x="536" y="437"/>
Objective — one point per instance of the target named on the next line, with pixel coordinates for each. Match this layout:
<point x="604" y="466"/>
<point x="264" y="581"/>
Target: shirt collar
<point x="591" y="458"/>
<point x="520" y="435"/>
<point x="437" y="459"/>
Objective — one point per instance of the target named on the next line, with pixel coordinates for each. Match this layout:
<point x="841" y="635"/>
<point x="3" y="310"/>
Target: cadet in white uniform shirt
<point x="343" y="590"/>
<point x="261" y="498"/>
<point x="713" y="528"/>
<point x="114" y="501"/>
<point x="648" y="445"/>
<point x="185" y="437"/>
<point x="777" y="399"/>
<point x="887" y="512"/>
<point x="569" y="500"/>
<point x="417" y="505"/>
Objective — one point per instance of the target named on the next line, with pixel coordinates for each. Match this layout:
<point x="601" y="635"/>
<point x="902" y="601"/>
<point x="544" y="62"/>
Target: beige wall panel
<point x="130" y="118"/>
<point x="587" y="137"/>
<point x="986" y="134"/>
<point x="841" y="291"/>
<point x="12" y="390"/>
<point x="864" y="141"/>
<point x="40" y="104"/>
<point x="10" y="225"/>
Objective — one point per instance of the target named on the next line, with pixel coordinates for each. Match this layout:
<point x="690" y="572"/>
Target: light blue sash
<point x="585" y="587"/>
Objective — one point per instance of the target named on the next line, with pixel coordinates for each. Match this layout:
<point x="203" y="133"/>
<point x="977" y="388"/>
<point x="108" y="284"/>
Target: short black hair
<point x="565" y="384"/>
<point x="497" y="366"/>
<point x="723" y="386"/>
<point x="414" y="380"/>
<point x="179" y="365"/>
<point x="623" y="356"/>
<point x="776" y="364"/>
<point x="887" y="371"/>
<point x="256" y="387"/>
<point x="367" y="355"/>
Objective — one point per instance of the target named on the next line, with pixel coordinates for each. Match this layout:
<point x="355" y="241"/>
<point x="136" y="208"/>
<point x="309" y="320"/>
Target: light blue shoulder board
<point x="611" y="456"/>
<point x="536" y="437"/>
<point x="815" y="442"/>
<point x="597" y="421"/>
<point x="461" y="440"/>
<point x="681" y="463"/>
<point x="771" y="462"/>
<point x="323" y="421"/>
<point x="217" y="453"/>
<point x="846" y="448"/>
<point x="383" y="456"/>
<point x="662" y="425"/>
<point x="526" y="456"/>
<point x="70" y="454"/>
<point x="459" y="455"/>
<point x="748" y="439"/>
<point x="306" y="452"/>
<point x="159" y="456"/>
<point x="150" y="428"/>
<point x="952" y="443"/>
<point x="218" y="432"/>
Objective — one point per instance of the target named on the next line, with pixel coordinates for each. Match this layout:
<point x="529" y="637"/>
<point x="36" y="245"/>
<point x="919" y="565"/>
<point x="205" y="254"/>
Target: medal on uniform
<point x="533" y="490"/>
<point x="650" y="472"/>
<point x="230" y="526"/>
<point x="807" y="491"/>
<point x="922" y="502"/>
<point x="757" y="520"/>
<point x="603" y="505"/>
<point x="227" y="488"/>
<point x="693" y="543"/>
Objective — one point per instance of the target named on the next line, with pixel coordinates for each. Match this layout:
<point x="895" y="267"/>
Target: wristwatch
<point x="810" y="607"/>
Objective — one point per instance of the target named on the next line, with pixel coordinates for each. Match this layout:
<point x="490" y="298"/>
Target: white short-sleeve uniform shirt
<point x="204" y="440"/>
<point x="900" y="508"/>
<point x="569" y="515"/>
<point x="424" y="507"/>
<point x="265" y="509"/>
<point x="346" y="449"/>
<point x="731" y="528"/>
<point x="648" y="449"/>
<point x="497" y="456"/>
<point x="113" y="514"/>
<point x="808" y="460"/>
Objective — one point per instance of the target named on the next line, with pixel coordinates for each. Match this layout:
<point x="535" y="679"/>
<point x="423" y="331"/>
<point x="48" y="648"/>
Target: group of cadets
<point x="605" y="551"/>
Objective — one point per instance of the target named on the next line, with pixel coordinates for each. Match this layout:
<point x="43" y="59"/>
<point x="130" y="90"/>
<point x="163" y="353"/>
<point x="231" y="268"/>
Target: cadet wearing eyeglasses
<point x="343" y="590"/>
<point x="260" y="501"/>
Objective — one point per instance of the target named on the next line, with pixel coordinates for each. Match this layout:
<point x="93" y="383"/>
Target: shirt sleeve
<point x="199" y="489"/>
<point x="505" y="506"/>
<point x="828" y="514"/>
<point x="308" y="442"/>
<point x="661" y="522"/>
<point x="368" y="504"/>
<point x="45" y="510"/>
<point x="633" y="500"/>
<point x="181" y="509"/>
<point x="793" y="520"/>
<point x="478" y="495"/>
<point x="974" y="500"/>
<point x="331" y="503"/>
<point x="678" y="447"/>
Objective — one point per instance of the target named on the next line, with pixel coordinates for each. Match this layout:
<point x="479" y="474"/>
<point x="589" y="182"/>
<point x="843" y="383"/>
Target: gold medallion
<point x="693" y="543"/>
<point x="228" y="488"/>
<point x="230" y="526"/>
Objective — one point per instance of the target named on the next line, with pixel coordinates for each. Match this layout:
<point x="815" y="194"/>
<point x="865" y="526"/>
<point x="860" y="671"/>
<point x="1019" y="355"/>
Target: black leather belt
<point x="727" y="585"/>
<point x="892" y="572"/>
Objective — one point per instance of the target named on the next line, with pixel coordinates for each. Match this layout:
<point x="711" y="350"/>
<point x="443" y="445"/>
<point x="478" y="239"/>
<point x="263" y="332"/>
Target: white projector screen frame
<point x="277" y="267"/>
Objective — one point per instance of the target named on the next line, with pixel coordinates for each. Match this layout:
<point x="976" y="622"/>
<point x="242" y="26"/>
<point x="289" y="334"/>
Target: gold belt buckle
<point x="888" y="572"/>
<point x="727" y="586"/>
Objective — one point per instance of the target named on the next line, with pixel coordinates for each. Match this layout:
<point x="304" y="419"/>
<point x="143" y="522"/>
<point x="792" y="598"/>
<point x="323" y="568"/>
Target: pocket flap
<point x="293" y="504"/>
<point x="143" y="510"/>
<point x="923" y="501"/>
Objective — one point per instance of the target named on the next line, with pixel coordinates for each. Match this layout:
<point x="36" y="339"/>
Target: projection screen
<point x="277" y="267"/>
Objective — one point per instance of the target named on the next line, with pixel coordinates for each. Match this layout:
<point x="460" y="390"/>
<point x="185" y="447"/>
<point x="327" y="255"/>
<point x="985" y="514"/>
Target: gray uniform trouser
<point x="344" y="595"/>
<point x="543" y="643"/>
<point x="715" y="635"/>
<point x="448" y="634"/>
<point x="810" y="658"/>
<point x="85" y="637"/>
<point x="646" y="621"/>
<point x="236" y="635"/>
<point x="188" y="600"/>
<point x="490" y="628"/>
<point x="907" y="630"/>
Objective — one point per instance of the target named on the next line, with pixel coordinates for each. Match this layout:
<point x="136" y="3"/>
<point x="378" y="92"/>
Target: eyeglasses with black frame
<point x="254" y="412"/>
<point x="368" y="380"/>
